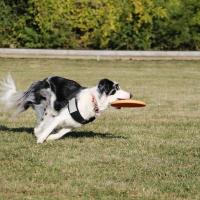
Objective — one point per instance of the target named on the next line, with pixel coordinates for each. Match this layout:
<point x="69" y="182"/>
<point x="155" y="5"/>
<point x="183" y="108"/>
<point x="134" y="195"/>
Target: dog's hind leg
<point x="46" y="127"/>
<point x="44" y="118"/>
<point x="39" y="109"/>
<point x="58" y="135"/>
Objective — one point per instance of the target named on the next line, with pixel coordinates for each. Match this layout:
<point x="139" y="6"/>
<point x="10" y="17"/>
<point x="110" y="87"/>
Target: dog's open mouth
<point x="120" y="99"/>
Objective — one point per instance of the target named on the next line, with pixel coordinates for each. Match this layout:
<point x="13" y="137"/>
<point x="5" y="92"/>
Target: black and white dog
<point x="60" y="103"/>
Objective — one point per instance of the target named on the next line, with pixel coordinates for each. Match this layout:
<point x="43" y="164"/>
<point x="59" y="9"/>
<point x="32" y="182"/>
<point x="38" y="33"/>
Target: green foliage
<point x="135" y="24"/>
<point x="100" y="24"/>
<point x="181" y="28"/>
<point x="5" y="24"/>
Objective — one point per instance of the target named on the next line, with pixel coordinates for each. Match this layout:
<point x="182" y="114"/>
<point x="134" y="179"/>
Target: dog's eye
<point x="117" y="87"/>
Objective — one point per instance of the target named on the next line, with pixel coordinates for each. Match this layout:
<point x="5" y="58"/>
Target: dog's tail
<point x="11" y="99"/>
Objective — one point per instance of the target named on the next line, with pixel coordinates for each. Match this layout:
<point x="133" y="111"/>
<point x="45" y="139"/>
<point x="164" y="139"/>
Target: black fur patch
<point x="64" y="90"/>
<point x="35" y="89"/>
<point x="107" y="86"/>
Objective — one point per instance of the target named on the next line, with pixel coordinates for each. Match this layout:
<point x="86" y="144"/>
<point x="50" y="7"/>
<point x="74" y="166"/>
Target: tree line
<point x="101" y="24"/>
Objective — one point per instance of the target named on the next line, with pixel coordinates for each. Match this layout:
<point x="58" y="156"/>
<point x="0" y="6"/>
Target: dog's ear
<point x="105" y="86"/>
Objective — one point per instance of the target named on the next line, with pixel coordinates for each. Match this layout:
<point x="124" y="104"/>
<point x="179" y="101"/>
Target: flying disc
<point x="128" y="103"/>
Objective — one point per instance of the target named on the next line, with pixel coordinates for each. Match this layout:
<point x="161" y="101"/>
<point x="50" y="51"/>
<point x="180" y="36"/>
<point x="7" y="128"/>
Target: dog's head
<point x="112" y="90"/>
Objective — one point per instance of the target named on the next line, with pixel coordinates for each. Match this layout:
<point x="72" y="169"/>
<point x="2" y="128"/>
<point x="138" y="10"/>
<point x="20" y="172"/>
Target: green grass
<point x="144" y="153"/>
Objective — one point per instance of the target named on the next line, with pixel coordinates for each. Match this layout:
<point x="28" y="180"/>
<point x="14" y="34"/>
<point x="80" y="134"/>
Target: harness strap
<point x="75" y="114"/>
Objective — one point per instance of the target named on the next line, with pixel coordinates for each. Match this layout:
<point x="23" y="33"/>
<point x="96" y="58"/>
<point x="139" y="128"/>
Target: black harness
<point x="75" y="114"/>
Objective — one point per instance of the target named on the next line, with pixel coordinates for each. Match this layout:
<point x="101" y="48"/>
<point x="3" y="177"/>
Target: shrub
<point x="100" y="24"/>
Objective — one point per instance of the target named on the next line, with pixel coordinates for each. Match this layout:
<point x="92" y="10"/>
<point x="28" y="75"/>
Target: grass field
<point x="144" y="153"/>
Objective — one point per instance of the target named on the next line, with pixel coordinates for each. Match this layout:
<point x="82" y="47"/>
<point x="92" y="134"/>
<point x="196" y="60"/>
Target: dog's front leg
<point x="49" y="126"/>
<point x="58" y="135"/>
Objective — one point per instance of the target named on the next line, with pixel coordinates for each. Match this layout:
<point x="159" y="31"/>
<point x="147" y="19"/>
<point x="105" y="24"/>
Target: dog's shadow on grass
<point x="16" y="130"/>
<point x="91" y="134"/>
<point x="73" y="134"/>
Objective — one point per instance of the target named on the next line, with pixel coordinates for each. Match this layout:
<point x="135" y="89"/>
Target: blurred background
<point x="100" y="24"/>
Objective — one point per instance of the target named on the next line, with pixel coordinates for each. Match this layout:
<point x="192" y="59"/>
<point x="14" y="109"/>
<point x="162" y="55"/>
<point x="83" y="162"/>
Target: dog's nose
<point x="131" y="95"/>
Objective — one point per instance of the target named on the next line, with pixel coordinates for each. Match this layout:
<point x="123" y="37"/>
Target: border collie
<point x="60" y="104"/>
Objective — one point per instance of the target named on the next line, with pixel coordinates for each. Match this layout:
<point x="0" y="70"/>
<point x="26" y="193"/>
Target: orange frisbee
<point x="129" y="103"/>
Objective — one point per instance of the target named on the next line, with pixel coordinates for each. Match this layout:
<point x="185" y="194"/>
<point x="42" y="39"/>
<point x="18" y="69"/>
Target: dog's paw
<point x="40" y="140"/>
<point x="36" y="131"/>
<point x="53" y="137"/>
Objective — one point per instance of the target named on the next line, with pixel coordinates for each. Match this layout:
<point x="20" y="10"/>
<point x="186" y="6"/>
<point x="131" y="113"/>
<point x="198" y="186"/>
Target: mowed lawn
<point x="140" y="153"/>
